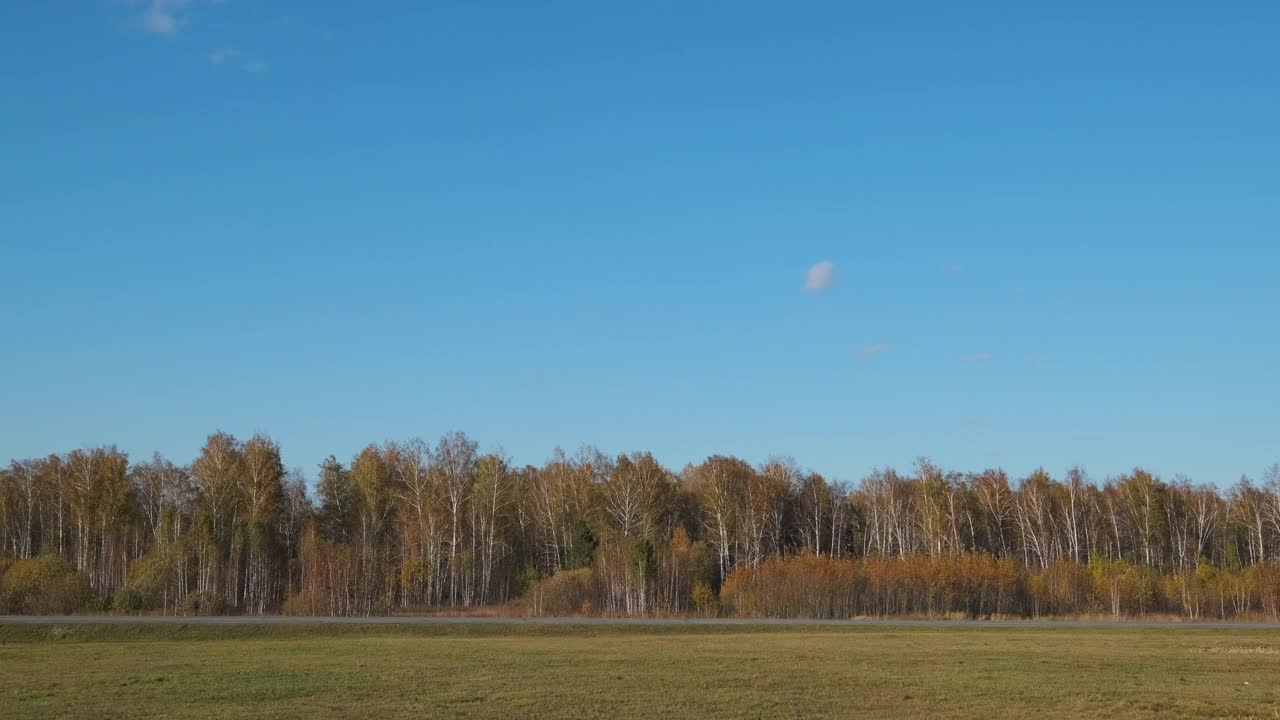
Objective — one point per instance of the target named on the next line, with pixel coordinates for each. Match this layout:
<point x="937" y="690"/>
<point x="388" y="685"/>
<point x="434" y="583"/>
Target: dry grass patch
<point x="586" y="672"/>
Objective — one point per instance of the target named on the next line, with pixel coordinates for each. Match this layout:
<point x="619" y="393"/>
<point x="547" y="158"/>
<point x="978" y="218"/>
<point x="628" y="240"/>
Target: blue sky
<point x="1052" y="233"/>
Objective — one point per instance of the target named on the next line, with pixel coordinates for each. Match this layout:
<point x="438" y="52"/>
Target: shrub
<point x="527" y="579"/>
<point x="154" y="575"/>
<point x="127" y="600"/>
<point x="299" y="603"/>
<point x="202" y="603"/>
<point x="806" y="585"/>
<point x="95" y="603"/>
<point x="705" y="602"/>
<point x="568" y="592"/>
<point x="45" y="585"/>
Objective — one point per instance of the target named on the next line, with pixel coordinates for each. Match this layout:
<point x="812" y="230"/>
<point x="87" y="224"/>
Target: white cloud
<point x="248" y="63"/>
<point x="873" y="349"/>
<point x="821" y="276"/>
<point x="166" y="17"/>
<point x="221" y="55"/>
<point x="163" y="17"/>
<point x="978" y="358"/>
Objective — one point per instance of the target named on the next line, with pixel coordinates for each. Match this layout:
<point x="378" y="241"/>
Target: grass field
<point x="581" y="672"/>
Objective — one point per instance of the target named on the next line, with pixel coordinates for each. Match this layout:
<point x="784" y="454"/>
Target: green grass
<point x="583" y="672"/>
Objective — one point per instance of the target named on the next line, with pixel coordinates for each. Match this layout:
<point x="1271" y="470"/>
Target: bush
<point x="568" y="592"/>
<point x="528" y="578"/>
<point x="299" y="603"/>
<point x="45" y="585"/>
<point x="127" y="600"/>
<point x="201" y="603"/>
<point x="705" y="602"/>
<point x="95" y="603"/>
<point x="152" y="576"/>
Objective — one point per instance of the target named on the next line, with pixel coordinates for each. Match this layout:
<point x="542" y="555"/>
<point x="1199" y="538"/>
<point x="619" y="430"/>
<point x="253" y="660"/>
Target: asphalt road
<point x="433" y="620"/>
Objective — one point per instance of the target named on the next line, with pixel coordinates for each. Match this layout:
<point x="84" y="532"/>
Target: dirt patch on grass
<point x="1243" y="650"/>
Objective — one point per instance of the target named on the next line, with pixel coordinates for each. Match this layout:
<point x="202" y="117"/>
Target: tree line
<point x="415" y="526"/>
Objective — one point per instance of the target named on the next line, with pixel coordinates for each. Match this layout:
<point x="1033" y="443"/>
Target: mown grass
<point x="582" y="672"/>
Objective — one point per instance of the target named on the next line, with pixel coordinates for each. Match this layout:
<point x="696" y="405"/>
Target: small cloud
<point x="1033" y="358"/>
<point x="872" y="350"/>
<point x="978" y="358"/>
<point x="821" y="276"/>
<point x="163" y="17"/>
<point x="249" y="63"/>
<point x="221" y="55"/>
<point x="954" y="268"/>
<point x="166" y="17"/>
